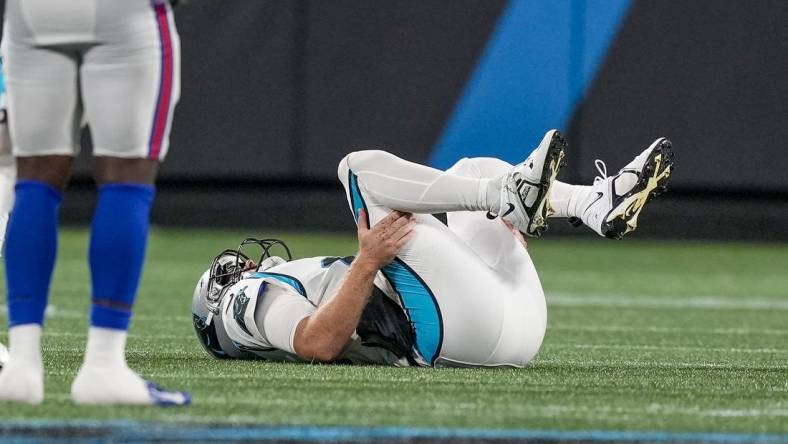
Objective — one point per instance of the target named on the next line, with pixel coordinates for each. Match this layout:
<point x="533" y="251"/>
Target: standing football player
<point x="118" y="64"/>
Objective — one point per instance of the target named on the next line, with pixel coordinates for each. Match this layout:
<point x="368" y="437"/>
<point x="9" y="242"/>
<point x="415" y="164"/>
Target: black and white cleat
<point x="525" y="189"/>
<point x="621" y="198"/>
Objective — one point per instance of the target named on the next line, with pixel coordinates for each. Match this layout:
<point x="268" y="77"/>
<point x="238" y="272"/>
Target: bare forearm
<point x="326" y="332"/>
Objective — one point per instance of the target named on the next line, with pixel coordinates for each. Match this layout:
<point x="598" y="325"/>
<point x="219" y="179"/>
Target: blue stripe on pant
<point x="419" y="301"/>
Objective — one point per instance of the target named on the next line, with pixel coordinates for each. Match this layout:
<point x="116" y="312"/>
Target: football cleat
<point x="616" y="201"/>
<point x="525" y="189"/>
<point x="165" y="398"/>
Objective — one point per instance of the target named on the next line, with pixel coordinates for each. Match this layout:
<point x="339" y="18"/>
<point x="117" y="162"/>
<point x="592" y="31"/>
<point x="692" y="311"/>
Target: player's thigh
<point x="441" y="284"/>
<point x="487" y="319"/>
<point x="451" y="296"/>
<point x="466" y="290"/>
<point x="131" y="85"/>
<point x="44" y="109"/>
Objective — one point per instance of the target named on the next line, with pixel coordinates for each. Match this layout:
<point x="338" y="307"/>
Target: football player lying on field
<point x="420" y="292"/>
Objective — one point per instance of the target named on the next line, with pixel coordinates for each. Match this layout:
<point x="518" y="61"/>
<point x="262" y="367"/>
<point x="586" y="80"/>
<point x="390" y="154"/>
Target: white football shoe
<point x="525" y="189"/>
<point x="615" y="202"/>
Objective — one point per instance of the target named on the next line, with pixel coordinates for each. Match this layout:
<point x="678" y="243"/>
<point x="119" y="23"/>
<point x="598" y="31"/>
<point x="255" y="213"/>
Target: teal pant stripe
<point x="418" y="300"/>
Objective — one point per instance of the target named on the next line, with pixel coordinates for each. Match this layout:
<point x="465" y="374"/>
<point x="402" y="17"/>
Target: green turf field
<point x="642" y="336"/>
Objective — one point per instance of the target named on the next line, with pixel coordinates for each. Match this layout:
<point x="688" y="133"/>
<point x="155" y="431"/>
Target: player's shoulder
<point x="243" y="298"/>
<point x="243" y="293"/>
<point x="296" y="273"/>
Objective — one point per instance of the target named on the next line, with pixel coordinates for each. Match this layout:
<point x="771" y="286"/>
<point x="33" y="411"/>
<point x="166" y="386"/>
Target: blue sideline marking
<point x="130" y="431"/>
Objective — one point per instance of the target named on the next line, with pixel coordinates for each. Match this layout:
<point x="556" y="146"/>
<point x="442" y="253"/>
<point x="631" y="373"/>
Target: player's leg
<point x="503" y="251"/>
<point x="407" y="186"/>
<point x="456" y="302"/>
<point x="130" y="87"/>
<point x="7" y="167"/>
<point x="44" y="115"/>
<point x="611" y="205"/>
<point x="520" y="195"/>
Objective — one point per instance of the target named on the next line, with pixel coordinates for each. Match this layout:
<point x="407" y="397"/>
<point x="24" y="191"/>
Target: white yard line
<point x="671" y="348"/>
<point x="532" y="410"/>
<point x="663" y="301"/>
<point x="661" y="365"/>
<point x="658" y="329"/>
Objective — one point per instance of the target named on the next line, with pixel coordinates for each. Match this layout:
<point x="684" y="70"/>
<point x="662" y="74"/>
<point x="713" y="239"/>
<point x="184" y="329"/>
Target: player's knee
<point x="52" y="170"/>
<point x="360" y="161"/>
<point x="367" y="159"/>
<point x="122" y="170"/>
<point x="343" y="170"/>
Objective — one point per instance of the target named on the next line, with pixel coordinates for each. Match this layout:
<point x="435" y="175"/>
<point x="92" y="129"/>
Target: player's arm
<point x="324" y="334"/>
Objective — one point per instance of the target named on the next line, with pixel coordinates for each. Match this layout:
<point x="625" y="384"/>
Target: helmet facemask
<point x="228" y="267"/>
<point x="226" y="270"/>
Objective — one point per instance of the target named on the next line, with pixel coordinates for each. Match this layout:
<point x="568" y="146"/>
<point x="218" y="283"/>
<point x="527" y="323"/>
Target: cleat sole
<point x="554" y="161"/>
<point x="623" y="219"/>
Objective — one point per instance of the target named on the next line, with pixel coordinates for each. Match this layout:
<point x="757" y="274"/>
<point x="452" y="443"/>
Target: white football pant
<point x="470" y="288"/>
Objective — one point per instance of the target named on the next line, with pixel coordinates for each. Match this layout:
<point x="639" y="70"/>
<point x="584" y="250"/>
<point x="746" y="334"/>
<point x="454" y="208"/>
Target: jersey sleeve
<point x="280" y="311"/>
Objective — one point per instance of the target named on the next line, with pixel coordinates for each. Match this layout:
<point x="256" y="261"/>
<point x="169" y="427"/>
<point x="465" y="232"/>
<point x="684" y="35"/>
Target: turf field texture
<point x="642" y="335"/>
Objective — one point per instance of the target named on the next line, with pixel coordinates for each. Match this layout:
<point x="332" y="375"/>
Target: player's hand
<point x="249" y="265"/>
<point x="379" y="245"/>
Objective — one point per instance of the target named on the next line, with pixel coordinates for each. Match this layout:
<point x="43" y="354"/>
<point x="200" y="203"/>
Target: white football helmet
<point x="227" y="268"/>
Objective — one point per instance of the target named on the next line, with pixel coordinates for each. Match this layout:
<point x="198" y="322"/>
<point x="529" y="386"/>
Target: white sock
<point x="22" y="378"/>
<point x="568" y="200"/>
<point x="106" y="347"/>
<point x="491" y="198"/>
<point x="104" y="377"/>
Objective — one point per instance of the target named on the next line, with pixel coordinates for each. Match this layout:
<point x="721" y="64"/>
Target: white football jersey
<point x="260" y="313"/>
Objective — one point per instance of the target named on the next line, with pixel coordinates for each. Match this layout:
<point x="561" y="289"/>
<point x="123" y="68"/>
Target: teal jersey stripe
<point x="289" y="280"/>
